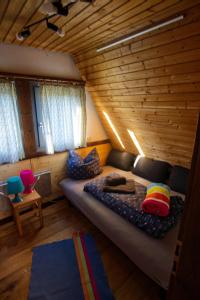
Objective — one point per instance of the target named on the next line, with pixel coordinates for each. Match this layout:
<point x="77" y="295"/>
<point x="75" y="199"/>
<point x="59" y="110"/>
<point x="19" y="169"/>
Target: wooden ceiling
<point x="150" y="85"/>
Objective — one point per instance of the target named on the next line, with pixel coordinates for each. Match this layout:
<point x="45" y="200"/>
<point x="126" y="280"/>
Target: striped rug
<point x="70" y="269"/>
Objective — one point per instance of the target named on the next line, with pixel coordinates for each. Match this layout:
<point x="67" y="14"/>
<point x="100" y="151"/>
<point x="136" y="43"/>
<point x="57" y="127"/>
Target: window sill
<point x="90" y="144"/>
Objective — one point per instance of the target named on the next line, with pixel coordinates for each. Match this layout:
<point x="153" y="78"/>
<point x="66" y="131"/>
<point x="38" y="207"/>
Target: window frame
<point x="37" y="120"/>
<point x="36" y="108"/>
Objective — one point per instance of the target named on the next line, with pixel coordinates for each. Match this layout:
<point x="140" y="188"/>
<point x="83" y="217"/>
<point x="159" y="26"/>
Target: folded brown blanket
<point x="128" y="188"/>
<point x="113" y="181"/>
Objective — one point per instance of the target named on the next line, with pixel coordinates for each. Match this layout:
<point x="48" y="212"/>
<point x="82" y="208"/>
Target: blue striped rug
<point x="69" y="270"/>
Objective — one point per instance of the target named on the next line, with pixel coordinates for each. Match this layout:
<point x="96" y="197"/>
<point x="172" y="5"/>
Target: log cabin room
<point x="99" y="149"/>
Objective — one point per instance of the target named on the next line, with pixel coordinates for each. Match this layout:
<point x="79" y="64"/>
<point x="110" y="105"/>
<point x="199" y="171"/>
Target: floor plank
<point x="125" y="279"/>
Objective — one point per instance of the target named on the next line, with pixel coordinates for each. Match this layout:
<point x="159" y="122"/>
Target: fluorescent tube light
<point x="135" y="141"/>
<point x="132" y="36"/>
<point x="137" y="160"/>
<point x="113" y="129"/>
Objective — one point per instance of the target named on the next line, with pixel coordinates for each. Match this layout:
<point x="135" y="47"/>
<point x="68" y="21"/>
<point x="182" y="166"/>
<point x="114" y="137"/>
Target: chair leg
<point x="18" y="222"/>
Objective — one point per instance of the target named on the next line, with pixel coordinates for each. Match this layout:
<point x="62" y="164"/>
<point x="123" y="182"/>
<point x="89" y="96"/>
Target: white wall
<point x="95" y="130"/>
<point x="31" y="61"/>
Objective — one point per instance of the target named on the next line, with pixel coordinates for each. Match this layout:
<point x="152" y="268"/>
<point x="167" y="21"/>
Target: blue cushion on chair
<point x="79" y="168"/>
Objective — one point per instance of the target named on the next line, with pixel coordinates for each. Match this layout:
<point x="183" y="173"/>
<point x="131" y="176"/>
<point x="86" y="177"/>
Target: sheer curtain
<point x="63" y="117"/>
<point x="11" y="145"/>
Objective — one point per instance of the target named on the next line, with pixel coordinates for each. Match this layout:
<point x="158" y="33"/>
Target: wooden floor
<point x="126" y="281"/>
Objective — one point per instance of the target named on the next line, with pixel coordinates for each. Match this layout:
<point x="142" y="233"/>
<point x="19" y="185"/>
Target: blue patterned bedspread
<point x="128" y="207"/>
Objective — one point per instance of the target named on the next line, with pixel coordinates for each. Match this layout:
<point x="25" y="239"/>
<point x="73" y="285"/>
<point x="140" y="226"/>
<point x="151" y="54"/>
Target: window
<point x="60" y="117"/>
<point x="11" y="145"/>
<point x="38" y="119"/>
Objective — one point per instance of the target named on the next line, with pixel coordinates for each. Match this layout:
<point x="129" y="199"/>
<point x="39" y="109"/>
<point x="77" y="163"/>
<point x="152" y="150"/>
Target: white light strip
<point x="136" y="143"/>
<point x="130" y="37"/>
<point x="113" y="129"/>
<point x="137" y="159"/>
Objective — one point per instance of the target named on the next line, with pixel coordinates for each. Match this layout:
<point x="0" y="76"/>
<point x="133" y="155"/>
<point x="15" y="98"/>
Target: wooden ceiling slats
<point x="176" y="88"/>
<point x="72" y="20"/>
<point x="36" y="15"/>
<point x="168" y="155"/>
<point x="177" y="58"/>
<point x="137" y="55"/>
<point x="148" y="82"/>
<point x="95" y="21"/>
<point x="165" y="151"/>
<point x="168" y="57"/>
<point x="3" y="7"/>
<point x="139" y="72"/>
<point x="37" y="29"/>
<point x="129" y="80"/>
<point x="155" y="111"/>
<point x="47" y="37"/>
<point x="12" y="12"/>
<point x="91" y="16"/>
<point x="26" y="14"/>
<point x="118" y="27"/>
<point x="143" y="21"/>
<point x="75" y="16"/>
<point x="188" y="27"/>
<point x="149" y="104"/>
<point x="153" y="128"/>
<point x="149" y="98"/>
<point x="106" y="24"/>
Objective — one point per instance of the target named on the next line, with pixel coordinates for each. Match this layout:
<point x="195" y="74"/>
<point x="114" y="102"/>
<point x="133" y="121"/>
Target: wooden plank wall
<point x="151" y="85"/>
<point x="55" y="163"/>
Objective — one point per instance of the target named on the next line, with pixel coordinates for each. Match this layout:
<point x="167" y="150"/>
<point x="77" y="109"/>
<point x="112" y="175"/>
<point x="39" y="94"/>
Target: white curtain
<point x="11" y="145"/>
<point x="63" y="117"/>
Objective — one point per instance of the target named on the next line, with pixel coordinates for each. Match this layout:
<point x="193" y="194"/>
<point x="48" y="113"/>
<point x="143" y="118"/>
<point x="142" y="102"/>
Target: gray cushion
<point x="178" y="179"/>
<point x="153" y="170"/>
<point x="122" y="160"/>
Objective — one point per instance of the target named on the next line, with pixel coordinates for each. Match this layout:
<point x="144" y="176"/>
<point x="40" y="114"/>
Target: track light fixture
<point x="60" y="9"/>
<point x="23" y="34"/>
<point x="50" y="8"/>
<point x="56" y="29"/>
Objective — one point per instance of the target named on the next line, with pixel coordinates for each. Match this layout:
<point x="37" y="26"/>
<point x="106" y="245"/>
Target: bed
<point x="154" y="257"/>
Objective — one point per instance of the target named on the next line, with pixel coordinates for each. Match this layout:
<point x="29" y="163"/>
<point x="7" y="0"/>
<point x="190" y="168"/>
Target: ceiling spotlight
<point x="48" y="8"/>
<point x="23" y="34"/>
<point x="51" y="7"/>
<point x="56" y="29"/>
<point x="60" y="32"/>
<point x="61" y="10"/>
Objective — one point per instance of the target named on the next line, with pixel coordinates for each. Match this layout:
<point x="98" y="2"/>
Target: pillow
<point x="93" y="154"/>
<point x="157" y="201"/>
<point x="152" y="170"/>
<point x="79" y="168"/>
<point x="121" y="160"/>
<point x="178" y="179"/>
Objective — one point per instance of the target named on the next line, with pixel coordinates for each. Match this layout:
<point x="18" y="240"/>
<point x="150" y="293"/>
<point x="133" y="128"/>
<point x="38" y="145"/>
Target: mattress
<point x="154" y="257"/>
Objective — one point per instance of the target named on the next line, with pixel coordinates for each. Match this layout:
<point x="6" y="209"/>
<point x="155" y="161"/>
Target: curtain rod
<point x="40" y="79"/>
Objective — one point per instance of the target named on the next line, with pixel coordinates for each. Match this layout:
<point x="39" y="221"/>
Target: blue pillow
<point x="91" y="156"/>
<point x="79" y="168"/>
